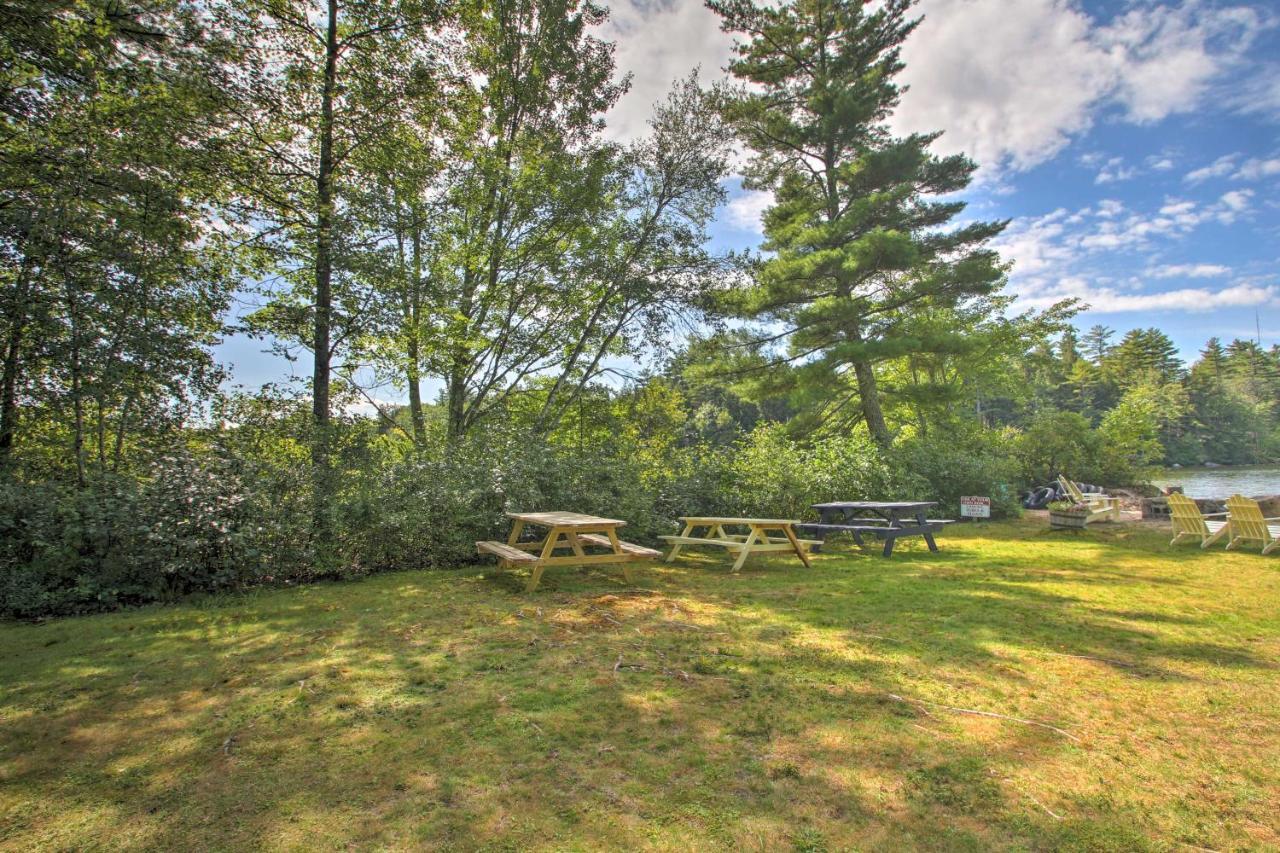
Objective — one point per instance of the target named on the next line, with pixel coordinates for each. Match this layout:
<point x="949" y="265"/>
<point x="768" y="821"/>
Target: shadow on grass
<point x="701" y="709"/>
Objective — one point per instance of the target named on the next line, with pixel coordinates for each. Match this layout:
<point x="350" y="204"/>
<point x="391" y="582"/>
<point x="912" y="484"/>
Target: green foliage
<point x="184" y="527"/>
<point x="1056" y="443"/>
<point x="858" y="238"/>
<point x="965" y="461"/>
<point x="1129" y="435"/>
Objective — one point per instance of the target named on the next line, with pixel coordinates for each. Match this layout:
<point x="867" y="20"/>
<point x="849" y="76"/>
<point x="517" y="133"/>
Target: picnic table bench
<point x="565" y="530"/>
<point x="890" y="521"/>
<point x="758" y="540"/>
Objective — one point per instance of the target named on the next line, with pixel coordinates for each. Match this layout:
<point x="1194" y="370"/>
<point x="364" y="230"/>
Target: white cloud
<point x="1254" y="169"/>
<point x="1219" y="168"/>
<point x="1020" y="98"/>
<point x="1105" y="299"/>
<point x="1231" y="204"/>
<point x="1159" y="163"/>
<point x="1046" y="68"/>
<point x="1257" y="94"/>
<point x="1109" y="208"/>
<point x="1167" y="57"/>
<point x="745" y="212"/>
<point x="1114" y="170"/>
<point x="1074" y="254"/>
<point x="658" y="42"/>
<point x="1189" y="271"/>
<point x="1042" y="73"/>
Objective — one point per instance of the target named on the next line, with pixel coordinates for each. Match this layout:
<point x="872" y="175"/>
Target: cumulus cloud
<point x="746" y="211"/>
<point x="1109" y="300"/>
<point x="1219" y="168"/>
<point x="1068" y="253"/>
<point x="1189" y="271"/>
<point x="1115" y="170"/>
<point x="1044" y="70"/>
<point x="1166" y="57"/>
<point x="657" y="43"/>
<point x="1253" y="169"/>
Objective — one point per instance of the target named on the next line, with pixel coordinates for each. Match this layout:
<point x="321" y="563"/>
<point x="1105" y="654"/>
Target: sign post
<point x="972" y="506"/>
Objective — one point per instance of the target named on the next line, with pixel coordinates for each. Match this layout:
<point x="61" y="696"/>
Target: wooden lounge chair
<point x="1190" y="523"/>
<point x="1100" y="505"/>
<point x="1248" y="525"/>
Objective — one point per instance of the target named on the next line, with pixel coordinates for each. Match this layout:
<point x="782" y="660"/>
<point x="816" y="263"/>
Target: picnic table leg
<point x="548" y="550"/>
<point x="928" y="534"/>
<point x="516" y="530"/>
<point x="888" y="545"/>
<point x="823" y="518"/>
<point x="675" y="549"/>
<point x="846" y="517"/>
<point x="804" y="558"/>
<point x="617" y="549"/>
<point x="746" y="548"/>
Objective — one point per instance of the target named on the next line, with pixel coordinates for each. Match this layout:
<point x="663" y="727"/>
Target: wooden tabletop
<point x="565" y="519"/>
<point x="876" y="505"/>
<point x="709" y="520"/>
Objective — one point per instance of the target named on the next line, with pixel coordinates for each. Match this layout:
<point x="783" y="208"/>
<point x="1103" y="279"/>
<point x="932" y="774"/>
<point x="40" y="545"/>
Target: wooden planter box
<point x="1068" y="520"/>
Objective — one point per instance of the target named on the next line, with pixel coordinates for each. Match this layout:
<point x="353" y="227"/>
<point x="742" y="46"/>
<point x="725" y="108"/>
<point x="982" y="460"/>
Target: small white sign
<point x="972" y="506"/>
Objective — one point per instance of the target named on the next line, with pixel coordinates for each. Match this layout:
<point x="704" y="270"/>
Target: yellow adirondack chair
<point x="1248" y="525"/>
<point x="1190" y="523"/>
<point x="1100" y="506"/>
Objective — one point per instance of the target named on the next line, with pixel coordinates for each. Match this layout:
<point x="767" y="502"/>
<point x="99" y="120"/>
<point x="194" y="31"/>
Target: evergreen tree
<point x="1069" y="349"/>
<point x="1213" y="360"/>
<point x="1143" y="355"/>
<point x="1097" y="343"/>
<point x="856" y="235"/>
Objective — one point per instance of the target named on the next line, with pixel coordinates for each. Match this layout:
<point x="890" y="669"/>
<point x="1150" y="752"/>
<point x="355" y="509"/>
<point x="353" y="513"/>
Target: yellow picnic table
<point x="565" y="530"/>
<point x="757" y="541"/>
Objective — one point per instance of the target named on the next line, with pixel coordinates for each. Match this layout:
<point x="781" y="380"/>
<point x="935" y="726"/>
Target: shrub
<point x="124" y="540"/>
<point x="974" y="462"/>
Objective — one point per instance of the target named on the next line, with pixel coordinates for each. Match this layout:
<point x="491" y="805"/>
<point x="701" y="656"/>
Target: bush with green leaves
<point x="964" y="462"/>
<point x="120" y="540"/>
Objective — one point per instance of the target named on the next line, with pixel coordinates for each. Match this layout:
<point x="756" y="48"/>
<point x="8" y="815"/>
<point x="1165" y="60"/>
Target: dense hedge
<point x="236" y="511"/>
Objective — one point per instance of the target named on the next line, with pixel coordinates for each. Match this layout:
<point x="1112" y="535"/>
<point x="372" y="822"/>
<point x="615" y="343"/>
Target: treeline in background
<point x="411" y="195"/>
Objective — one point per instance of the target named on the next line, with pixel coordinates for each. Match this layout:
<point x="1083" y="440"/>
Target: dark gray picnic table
<point x="888" y="520"/>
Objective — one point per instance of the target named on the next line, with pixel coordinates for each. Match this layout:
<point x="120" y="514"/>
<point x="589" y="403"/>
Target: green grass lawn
<point x="699" y="710"/>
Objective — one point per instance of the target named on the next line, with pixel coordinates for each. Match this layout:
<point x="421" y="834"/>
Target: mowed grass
<point x="699" y="710"/>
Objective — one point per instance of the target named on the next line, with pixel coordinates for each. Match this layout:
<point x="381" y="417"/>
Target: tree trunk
<point x="320" y="379"/>
<point x="413" y="373"/>
<point x="870" y="401"/>
<point x="413" y="379"/>
<point x="457" y="394"/>
<point x="12" y="366"/>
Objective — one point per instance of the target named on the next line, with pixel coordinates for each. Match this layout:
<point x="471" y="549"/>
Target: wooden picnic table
<point x="757" y="541"/>
<point x="889" y="520"/>
<point x="565" y="530"/>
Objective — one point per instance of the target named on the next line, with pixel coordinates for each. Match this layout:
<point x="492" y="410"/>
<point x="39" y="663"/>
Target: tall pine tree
<point x="857" y="234"/>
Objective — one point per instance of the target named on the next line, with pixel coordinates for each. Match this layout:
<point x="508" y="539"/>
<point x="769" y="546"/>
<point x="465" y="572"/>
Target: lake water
<point x="1250" y="480"/>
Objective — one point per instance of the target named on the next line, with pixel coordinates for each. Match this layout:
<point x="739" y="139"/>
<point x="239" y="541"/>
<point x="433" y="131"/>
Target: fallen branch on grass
<point x="1050" y="812"/>
<point x="620" y="665"/>
<point x="977" y="713"/>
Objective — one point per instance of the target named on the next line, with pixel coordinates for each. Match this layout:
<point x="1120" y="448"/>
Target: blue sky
<point x="1134" y="145"/>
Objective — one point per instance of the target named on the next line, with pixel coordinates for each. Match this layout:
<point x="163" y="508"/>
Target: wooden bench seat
<point x="503" y="551"/>
<point x="697" y="540"/>
<point x="640" y="552"/>
<point x="933" y="523"/>
<point x="883" y="530"/>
